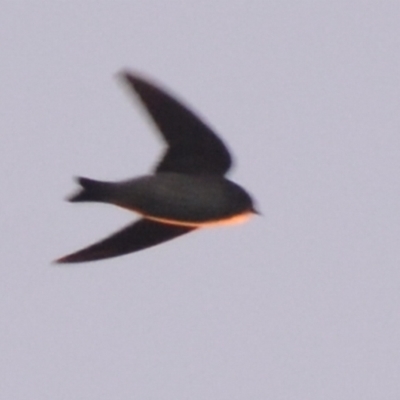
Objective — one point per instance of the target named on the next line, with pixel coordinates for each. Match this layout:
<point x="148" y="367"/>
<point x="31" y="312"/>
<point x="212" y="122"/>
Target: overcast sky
<point x="300" y="303"/>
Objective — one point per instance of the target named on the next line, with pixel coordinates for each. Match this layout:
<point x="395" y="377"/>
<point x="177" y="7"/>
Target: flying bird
<point x="187" y="190"/>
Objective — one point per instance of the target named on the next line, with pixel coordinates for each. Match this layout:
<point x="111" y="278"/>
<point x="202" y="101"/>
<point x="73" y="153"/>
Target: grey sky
<point x="302" y="303"/>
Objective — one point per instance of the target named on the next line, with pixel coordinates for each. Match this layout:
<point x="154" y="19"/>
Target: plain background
<point x="301" y="303"/>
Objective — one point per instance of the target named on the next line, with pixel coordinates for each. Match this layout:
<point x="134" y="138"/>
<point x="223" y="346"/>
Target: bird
<point x="188" y="189"/>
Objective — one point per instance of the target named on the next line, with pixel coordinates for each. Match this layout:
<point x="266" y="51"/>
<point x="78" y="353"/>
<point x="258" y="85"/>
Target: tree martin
<point x="187" y="190"/>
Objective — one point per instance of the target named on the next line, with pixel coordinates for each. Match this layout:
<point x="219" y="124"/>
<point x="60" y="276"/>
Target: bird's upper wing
<point x="137" y="236"/>
<point x="193" y="148"/>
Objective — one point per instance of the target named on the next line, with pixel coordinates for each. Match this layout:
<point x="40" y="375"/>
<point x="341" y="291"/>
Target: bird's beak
<point x="255" y="211"/>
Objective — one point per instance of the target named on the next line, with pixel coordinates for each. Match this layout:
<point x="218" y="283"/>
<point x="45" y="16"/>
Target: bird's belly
<point x="235" y="219"/>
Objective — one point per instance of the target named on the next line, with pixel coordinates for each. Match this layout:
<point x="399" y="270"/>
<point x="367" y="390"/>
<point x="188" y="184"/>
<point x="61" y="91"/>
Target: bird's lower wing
<point x="137" y="236"/>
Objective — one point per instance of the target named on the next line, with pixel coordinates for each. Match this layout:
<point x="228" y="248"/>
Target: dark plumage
<point x="187" y="191"/>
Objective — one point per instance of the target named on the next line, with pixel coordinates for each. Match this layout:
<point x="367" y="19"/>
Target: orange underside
<point x="237" y="219"/>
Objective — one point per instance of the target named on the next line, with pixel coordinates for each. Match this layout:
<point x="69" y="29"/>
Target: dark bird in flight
<point x="187" y="191"/>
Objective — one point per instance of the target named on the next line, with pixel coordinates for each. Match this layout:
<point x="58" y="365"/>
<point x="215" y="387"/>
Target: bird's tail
<point x="91" y="190"/>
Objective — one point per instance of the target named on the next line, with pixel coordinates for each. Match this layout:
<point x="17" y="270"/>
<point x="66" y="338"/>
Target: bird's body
<point x="177" y="198"/>
<point x="187" y="191"/>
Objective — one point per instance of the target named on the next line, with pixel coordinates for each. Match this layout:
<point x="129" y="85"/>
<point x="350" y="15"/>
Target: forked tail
<point x="91" y="190"/>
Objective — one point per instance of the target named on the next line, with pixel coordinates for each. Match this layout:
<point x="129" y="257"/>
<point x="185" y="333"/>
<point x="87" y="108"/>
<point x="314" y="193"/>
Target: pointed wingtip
<point x="123" y="74"/>
<point x="132" y="81"/>
<point x="129" y="76"/>
<point x="84" y="255"/>
<point x="69" y="259"/>
<point x="140" y="82"/>
<point x="61" y="260"/>
<point x="75" y="257"/>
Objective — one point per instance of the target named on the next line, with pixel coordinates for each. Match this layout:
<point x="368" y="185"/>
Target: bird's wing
<point x="193" y="148"/>
<point x="137" y="236"/>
